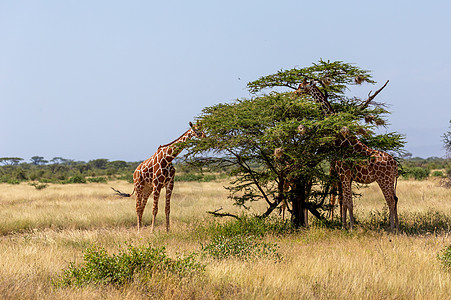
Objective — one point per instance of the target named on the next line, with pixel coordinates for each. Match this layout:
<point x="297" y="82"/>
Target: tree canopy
<point x="447" y="140"/>
<point x="279" y="145"/>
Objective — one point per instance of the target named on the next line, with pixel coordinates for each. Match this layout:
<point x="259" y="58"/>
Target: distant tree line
<point x="60" y="170"/>
<point x="421" y="168"/>
<point x="14" y="170"/>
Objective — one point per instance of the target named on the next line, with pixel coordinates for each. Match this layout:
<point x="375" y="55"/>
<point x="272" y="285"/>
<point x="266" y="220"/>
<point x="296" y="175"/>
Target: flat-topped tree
<point x="245" y="133"/>
<point x="372" y="165"/>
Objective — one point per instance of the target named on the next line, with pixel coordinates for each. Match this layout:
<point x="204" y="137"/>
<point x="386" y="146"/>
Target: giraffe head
<point x="278" y="152"/>
<point x="310" y="88"/>
<point x="197" y="130"/>
<point x="304" y="87"/>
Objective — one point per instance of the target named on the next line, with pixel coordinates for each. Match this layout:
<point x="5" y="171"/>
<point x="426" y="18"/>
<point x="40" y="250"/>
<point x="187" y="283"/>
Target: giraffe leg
<point x="169" y="189"/>
<point x="340" y="200"/>
<point x="332" y="204"/>
<point x="351" y="212"/>
<point x="139" y="210"/>
<point x="347" y="203"/>
<point x="389" y="194"/>
<point x="156" y="197"/>
<point x="396" y="212"/>
<point x="141" y="201"/>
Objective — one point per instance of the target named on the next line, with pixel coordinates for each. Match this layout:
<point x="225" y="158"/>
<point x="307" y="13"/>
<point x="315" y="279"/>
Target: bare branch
<point x="218" y="214"/>
<point x="244" y="165"/>
<point x="270" y="209"/>
<point x="371" y="97"/>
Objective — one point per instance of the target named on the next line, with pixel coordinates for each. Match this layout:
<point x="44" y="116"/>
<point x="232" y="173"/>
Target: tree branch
<point x="270" y="209"/>
<point x="217" y="214"/>
<point x="370" y="98"/>
<point x="243" y="164"/>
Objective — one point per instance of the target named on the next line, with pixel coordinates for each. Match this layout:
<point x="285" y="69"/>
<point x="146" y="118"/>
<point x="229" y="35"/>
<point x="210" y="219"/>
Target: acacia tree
<point x="12" y="161"/>
<point x="447" y="140"/>
<point x="277" y="139"/>
<point x="447" y="144"/>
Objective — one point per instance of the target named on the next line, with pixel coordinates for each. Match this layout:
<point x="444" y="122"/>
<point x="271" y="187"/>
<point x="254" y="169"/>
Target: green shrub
<point x="248" y="225"/>
<point x="209" y="177"/>
<point x="240" y="246"/>
<point x="13" y="181"/>
<point x="98" y="179"/>
<point x="188" y="177"/>
<point x="38" y="186"/>
<point x="127" y="177"/>
<point x="445" y="257"/>
<point x="117" y="269"/>
<point x="195" y="177"/>
<point x="418" y="173"/>
<point x="437" y="174"/>
<point x="76" y="179"/>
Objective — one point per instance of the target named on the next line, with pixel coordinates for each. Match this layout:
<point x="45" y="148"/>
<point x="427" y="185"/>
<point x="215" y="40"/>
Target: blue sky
<point x="115" y="79"/>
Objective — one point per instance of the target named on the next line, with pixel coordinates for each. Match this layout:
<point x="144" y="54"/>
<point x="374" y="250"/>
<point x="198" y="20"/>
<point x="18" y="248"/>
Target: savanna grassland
<point x="44" y="231"/>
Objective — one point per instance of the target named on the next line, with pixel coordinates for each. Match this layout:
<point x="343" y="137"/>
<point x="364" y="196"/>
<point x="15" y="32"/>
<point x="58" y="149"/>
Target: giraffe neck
<point x="320" y="98"/>
<point x="173" y="149"/>
<point x="357" y="146"/>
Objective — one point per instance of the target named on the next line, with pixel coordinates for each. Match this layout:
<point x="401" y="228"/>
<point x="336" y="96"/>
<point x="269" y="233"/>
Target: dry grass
<point x="43" y="231"/>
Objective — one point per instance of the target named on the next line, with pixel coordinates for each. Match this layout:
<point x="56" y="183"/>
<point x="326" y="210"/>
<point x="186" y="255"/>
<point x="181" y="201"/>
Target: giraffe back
<point x="380" y="167"/>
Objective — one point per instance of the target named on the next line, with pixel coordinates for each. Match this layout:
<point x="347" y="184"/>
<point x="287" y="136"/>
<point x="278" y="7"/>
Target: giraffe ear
<point x="191" y="125"/>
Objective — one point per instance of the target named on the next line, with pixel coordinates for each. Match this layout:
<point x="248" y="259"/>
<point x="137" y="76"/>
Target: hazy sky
<point x="115" y="79"/>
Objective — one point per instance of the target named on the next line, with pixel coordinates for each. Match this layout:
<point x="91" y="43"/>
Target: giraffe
<point x="378" y="165"/>
<point x="157" y="172"/>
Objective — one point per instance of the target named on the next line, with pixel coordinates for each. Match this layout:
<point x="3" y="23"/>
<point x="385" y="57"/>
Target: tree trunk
<point x="298" y="203"/>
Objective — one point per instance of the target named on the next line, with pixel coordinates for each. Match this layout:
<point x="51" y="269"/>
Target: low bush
<point x="188" y="177"/>
<point x="126" y="177"/>
<point x="39" y="186"/>
<point x="248" y="225"/>
<point x="118" y="269"/>
<point x="195" y="177"/>
<point x="98" y="179"/>
<point x="445" y="258"/>
<point x="76" y="179"/>
<point x="437" y="174"/>
<point x="240" y="246"/>
<point x="418" y="173"/>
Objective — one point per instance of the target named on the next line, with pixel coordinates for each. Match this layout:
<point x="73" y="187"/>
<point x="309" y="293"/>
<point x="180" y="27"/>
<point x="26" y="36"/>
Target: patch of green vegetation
<point x="249" y="225"/>
<point x="437" y="174"/>
<point x="242" y="238"/>
<point x="76" y="179"/>
<point x="97" y="180"/>
<point x="39" y="186"/>
<point x="195" y="177"/>
<point x="126" y="177"/>
<point x="118" y="269"/>
<point x="445" y="258"/>
<point x="240" y="246"/>
<point x="418" y="173"/>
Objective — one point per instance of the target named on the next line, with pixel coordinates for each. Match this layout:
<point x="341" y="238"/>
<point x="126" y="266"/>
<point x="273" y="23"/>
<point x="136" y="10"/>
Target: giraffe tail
<point x="396" y="197"/>
<point x="119" y="193"/>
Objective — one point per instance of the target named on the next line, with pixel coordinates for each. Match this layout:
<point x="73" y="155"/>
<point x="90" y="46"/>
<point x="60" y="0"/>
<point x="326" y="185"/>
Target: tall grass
<point x="43" y="231"/>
